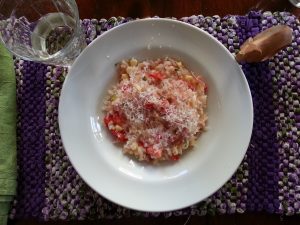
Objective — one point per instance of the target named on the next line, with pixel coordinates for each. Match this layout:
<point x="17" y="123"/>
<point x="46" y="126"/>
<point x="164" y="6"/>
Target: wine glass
<point x="295" y="3"/>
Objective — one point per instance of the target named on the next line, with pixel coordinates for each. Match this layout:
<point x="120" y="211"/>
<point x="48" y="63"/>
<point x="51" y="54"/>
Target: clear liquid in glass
<point x="54" y="39"/>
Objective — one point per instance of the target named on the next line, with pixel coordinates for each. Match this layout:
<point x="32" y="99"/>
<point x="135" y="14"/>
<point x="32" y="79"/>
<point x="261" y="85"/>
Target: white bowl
<point x="200" y="172"/>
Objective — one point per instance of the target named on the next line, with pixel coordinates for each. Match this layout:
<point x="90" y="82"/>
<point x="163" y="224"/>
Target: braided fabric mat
<point x="267" y="180"/>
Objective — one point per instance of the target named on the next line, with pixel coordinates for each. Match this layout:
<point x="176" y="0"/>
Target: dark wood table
<point x="179" y="8"/>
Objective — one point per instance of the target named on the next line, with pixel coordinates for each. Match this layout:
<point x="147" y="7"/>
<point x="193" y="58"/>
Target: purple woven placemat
<point x="267" y="180"/>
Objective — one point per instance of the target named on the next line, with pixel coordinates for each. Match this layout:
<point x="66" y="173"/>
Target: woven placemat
<point x="267" y="180"/>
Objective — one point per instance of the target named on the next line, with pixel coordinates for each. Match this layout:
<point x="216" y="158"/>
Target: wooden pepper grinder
<point x="265" y="44"/>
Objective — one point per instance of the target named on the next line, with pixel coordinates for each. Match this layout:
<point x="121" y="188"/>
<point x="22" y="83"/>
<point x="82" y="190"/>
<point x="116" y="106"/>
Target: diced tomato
<point x="157" y="154"/>
<point x="120" y="135"/>
<point x="150" y="151"/>
<point x="175" y="157"/>
<point x="166" y="124"/>
<point x="149" y="106"/>
<point x="117" y="119"/>
<point x="157" y="76"/>
<point x="153" y="153"/>
<point x="170" y="100"/>
<point x="191" y="86"/>
<point x="162" y="110"/>
<point x="107" y="119"/>
<point x="141" y="143"/>
<point x="176" y="139"/>
<point x="205" y="89"/>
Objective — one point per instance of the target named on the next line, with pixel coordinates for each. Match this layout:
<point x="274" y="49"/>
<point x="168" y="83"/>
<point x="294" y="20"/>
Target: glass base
<point x="295" y="3"/>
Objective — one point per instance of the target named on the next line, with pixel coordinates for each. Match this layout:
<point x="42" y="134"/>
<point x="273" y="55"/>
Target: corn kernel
<point x="179" y="64"/>
<point x="188" y="77"/>
<point x="140" y="150"/>
<point x="138" y="87"/>
<point x="113" y="98"/>
<point x="118" y="128"/>
<point x="175" y="151"/>
<point x="124" y="76"/>
<point x="134" y="146"/>
<point x="133" y="62"/>
<point x="129" y="69"/>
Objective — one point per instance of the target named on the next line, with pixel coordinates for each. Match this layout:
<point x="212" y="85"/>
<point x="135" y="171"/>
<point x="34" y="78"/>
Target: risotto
<point x="157" y="110"/>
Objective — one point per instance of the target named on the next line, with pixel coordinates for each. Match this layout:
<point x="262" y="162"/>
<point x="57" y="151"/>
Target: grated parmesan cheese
<point x="162" y="105"/>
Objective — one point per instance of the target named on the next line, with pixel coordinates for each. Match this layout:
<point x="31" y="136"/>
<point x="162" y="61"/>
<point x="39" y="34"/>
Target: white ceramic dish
<point x="200" y="172"/>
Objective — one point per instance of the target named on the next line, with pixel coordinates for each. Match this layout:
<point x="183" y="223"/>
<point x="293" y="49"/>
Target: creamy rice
<point x="157" y="110"/>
